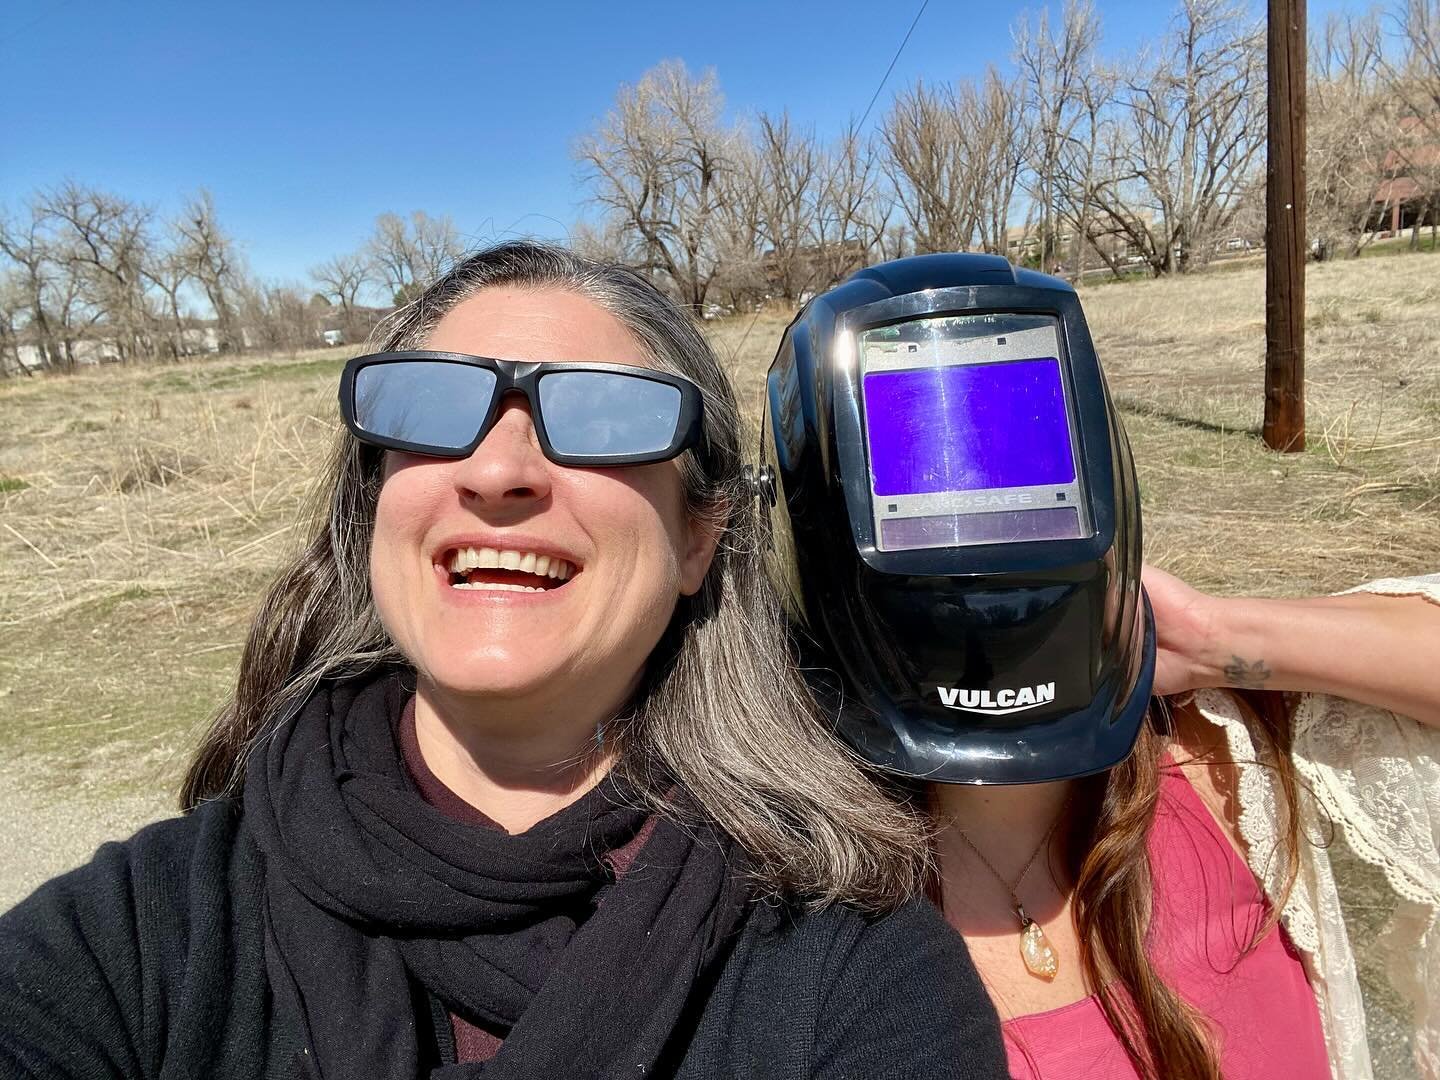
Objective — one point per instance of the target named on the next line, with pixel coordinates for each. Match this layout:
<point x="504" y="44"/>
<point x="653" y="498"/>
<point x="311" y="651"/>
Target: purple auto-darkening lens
<point x="968" y="427"/>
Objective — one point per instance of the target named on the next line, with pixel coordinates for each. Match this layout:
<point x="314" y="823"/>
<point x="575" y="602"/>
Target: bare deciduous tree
<point x="741" y="275"/>
<point x="604" y="240"/>
<point x="850" y="215"/>
<point x="996" y="133"/>
<point x="12" y="311"/>
<point x="786" y="184"/>
<point x="1414" y="78"/>
<point x="168" y="273"/>
<point x="1077" y="170"/>
<point x="14" y="307"/>
<point x="279" y="318"/>
<point x="954" y="156"/>
<point x="105" y="239"/>
<point x="437" y="244"/>
<point x="1053" y="69"/>
<point x="407" y="255"/>
<point x="392" y="256"/>
<point x="1351" y="125"/>
<point x="925" y="162"/>
<point x="341" y="279"/>
<point x="209" y="256"/>
<point x="656" y="165"/>
<point x="31" y="284"/>
<point x="1192" y="127"/>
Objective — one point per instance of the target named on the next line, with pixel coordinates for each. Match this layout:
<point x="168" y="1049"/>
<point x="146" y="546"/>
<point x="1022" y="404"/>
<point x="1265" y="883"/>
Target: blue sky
<point x="307" y="120"/>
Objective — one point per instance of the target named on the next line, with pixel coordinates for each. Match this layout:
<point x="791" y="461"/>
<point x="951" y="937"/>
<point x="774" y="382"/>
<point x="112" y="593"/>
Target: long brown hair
<point x="722" y="708"/>
<point x="1163" y="1035"/>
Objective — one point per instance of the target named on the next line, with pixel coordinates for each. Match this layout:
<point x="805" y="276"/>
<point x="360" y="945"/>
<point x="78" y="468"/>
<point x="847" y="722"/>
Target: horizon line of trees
<point x="1072" y="164"/>
<point x="88" y="276"/>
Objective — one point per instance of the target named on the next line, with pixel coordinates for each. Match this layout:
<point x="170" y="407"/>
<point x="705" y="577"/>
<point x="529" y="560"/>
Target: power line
<point x="873" y="98"/>
<point x="893" y="61"/>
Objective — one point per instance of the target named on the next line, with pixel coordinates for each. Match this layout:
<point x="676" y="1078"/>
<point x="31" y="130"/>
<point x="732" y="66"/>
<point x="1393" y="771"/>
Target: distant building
<point x="1023" y="241"/>
<point x="84" y="352"/>
<point x="201" y="339"/>
<point x="1022" y="246"/>
<point x="1408" y="190"/>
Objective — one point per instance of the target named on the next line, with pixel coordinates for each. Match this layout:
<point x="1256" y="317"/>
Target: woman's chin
<point x="511" y="679"/>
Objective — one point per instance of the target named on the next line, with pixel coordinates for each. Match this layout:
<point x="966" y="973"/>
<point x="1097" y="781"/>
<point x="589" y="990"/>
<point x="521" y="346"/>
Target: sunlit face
<point x="631" y="550"/>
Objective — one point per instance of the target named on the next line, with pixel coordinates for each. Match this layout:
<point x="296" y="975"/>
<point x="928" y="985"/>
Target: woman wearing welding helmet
<point x="954" y="522"/>
<point x="516" y="779"/>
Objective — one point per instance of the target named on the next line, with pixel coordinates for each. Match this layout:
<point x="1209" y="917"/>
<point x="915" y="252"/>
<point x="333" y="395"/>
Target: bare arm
<point x="1379" y="650"/>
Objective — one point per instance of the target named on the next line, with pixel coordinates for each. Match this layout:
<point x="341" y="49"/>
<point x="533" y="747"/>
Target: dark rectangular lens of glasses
<point x="430" y="402"/>
<point x="608" y="414"/>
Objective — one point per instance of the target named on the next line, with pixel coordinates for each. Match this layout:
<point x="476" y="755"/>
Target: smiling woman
<point x="518" y="775"/>
<point x="561" y="661"/>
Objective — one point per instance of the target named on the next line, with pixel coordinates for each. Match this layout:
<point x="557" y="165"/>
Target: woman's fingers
<point x="1185" y="633"/>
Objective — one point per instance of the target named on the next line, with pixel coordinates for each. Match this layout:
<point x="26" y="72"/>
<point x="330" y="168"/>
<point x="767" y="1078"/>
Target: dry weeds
<point x="1185" y="362"/>
<point x="142" y="511"/>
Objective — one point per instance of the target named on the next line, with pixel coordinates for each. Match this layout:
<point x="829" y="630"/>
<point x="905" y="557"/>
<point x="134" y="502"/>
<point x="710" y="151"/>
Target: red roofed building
<point x="1410" y="190"/>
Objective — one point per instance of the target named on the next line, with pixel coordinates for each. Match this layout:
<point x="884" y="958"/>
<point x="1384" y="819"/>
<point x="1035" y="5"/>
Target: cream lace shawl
<point x="1376" y="777"/>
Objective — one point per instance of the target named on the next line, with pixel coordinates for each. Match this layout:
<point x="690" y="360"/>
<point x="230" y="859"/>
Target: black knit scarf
<point x="374" y="897"/>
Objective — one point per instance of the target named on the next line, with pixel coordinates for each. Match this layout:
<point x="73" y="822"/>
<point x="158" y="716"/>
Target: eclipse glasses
<point x="443" y="404"/>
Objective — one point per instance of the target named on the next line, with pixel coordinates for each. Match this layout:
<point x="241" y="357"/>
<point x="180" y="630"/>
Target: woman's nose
<point x="508" y="467"/>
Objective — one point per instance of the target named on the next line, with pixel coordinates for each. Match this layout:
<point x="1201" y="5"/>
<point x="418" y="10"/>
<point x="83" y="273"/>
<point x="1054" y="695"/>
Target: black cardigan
<point x="153" y="953"/>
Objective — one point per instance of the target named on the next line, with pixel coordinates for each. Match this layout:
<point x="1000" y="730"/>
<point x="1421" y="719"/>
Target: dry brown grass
<point x="142" y="510"/>
<point x="1185" y="362"/>
<point x="141" y="513"/>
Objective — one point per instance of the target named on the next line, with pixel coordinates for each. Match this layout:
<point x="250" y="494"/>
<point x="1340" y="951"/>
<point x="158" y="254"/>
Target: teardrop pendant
<point x="1035" y="950"/>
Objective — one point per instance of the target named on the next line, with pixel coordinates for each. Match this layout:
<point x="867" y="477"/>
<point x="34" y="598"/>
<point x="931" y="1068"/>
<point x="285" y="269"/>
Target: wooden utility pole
<point x="1285" y="228"/>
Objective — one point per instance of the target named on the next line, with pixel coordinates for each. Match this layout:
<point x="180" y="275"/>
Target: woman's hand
<point x="1379" y="650"/>
<point x="1185" y="633"/>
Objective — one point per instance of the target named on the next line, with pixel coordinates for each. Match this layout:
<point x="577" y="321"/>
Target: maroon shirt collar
<point x="433" y="790"/>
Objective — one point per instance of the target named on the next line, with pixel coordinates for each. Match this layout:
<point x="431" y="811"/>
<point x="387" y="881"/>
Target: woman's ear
<point x="702" y="537"/>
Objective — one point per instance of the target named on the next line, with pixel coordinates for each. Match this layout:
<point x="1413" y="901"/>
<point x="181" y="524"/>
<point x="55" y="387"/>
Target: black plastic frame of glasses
<point x="519" y="376"/>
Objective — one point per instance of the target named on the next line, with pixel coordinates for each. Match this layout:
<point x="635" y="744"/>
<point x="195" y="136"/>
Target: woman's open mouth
<point x="506" y="571"/>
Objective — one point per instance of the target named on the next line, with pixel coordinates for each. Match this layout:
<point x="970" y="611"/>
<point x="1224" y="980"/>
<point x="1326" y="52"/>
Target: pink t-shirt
<point x="1207" y="907"/>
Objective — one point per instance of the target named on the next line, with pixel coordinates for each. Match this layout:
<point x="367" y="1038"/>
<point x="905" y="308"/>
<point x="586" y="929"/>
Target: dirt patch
<point x="44" y="832"/>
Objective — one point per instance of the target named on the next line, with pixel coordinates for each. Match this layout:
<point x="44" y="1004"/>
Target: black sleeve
<point x="70" y="977"/>
<point x="902" y="1000"/>
<point x="91" y="962"/>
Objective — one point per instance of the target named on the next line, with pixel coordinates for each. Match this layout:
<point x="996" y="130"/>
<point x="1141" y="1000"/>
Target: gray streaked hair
<point x="722" y="708"/>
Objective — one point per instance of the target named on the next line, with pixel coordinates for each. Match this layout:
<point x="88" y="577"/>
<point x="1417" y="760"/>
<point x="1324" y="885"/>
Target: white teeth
<point x="497" y="586"/>
<point x="469" y="558"/>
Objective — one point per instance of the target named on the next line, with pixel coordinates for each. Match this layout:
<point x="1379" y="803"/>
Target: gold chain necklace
<point x="1035" y="950"/>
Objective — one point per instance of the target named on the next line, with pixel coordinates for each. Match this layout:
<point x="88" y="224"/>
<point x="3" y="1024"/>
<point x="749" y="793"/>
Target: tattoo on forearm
<point x="1246" y="675"/>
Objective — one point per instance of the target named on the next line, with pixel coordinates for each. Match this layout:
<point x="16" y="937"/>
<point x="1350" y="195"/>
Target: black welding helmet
<point x="954" y="523"/>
